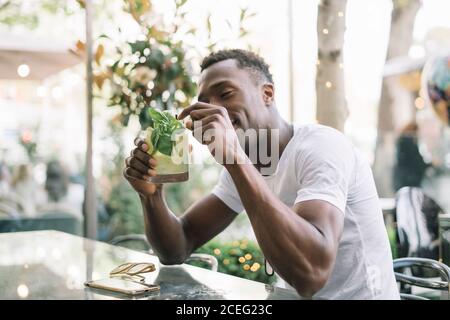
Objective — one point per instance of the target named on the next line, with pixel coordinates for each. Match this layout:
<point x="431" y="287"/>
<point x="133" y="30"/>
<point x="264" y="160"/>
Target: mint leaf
<point x="155" y="139"/>
<point x="165" y="145"/>
<point x="164" y="125"/>
<point x="155" y="115"/>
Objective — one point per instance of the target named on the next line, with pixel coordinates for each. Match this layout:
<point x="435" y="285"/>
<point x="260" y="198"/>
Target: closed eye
<point x="226" y="94"/>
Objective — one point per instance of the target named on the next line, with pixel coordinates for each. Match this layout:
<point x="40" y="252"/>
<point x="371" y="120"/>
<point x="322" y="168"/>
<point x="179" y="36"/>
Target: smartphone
<point x="122" y="286"/>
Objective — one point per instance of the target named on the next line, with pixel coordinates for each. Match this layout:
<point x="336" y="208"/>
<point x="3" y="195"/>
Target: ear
<point x="268" y="91"/>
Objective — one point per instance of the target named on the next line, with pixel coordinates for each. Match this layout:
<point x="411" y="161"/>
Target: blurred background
<point x="356" y="65"/>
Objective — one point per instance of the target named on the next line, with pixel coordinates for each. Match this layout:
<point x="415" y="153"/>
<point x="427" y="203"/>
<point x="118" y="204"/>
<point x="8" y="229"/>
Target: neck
<point x="285" y="133"/>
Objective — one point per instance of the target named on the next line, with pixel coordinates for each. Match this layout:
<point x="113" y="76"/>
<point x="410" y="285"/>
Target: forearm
<point x="164" y="231"/>
<point x="292" y="245"/>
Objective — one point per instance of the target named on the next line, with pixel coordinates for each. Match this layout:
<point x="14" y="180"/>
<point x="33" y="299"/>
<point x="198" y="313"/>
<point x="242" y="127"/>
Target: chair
<point x="65" y="221"/>
<point x="9" y="218"/>
<point x="441" y="285"/>
<point x="207" y="259"/>
<point x="7" y="211"/>
<point x="417" y="224"/>
<point x="12" y="203"/>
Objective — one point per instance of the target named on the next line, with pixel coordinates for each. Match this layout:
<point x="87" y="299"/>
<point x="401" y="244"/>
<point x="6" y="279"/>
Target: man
<point x="316" y="216"/>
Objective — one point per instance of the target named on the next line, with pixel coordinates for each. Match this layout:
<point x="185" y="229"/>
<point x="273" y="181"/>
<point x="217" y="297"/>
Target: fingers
<point x="137" y="165"/>
<point x="208" y="119"/>
<point x="202" y="113"/>
<point x="140" y="183"/>
<point x="189" y="124"/>
<point x="142" y="156"/>
<point x="199" y="106"/>
<point x="186" y="111"/>
<point x="212" y="117"/>
<point x="141" y="144"/>
<point x="205" y="133"/>
<point x="152" y="163"/>
<point x="138" y="141"/>
<point x="140" y="165"/>
<point x="131" y="173"/>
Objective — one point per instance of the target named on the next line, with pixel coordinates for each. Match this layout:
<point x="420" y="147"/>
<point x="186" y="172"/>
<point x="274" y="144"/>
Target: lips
<point x="234" y="122"/>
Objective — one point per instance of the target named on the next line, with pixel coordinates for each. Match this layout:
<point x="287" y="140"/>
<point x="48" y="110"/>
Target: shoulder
<point x="316" y="138"/>
<point x="309" y="130"/>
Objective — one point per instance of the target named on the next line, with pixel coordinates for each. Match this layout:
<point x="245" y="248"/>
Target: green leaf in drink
<point x="164" y="126"/>
<point x="165" y="145"/>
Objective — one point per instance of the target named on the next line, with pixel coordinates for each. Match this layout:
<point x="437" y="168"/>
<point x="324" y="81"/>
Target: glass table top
<point x="55" y="265"/>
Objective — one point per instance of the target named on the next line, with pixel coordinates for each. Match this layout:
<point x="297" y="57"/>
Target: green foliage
<point x="29" y="13"/>
<point x="121" y="201"/>
<point x="125" y="210"/>
<point x="239" y="258"/>
<point x="244" y="16"/>
<point x="152" y="72"/>
<point x="392" y="235"/>
<point x="164" y="125"/>
<point x="202" y="178"/>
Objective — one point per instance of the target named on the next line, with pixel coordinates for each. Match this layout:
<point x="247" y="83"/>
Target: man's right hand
<point x="139" y="167"/>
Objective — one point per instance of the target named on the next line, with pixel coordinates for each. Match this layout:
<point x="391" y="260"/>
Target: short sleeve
<point x="325" y="167"/>
<point x="226" y="191"/>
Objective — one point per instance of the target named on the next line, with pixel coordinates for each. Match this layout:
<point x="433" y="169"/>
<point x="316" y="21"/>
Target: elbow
<point x="315" y="275"/>
<point x="168" y="256"/>
<point x="312" y="281"/>
<point x="171" y="260"/>
<point x="309" y="287"/>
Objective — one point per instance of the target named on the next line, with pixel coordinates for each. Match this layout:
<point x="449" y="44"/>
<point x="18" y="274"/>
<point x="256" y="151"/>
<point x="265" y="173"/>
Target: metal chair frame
<point x="203" y="257"/>
<point x="442" y="269"/>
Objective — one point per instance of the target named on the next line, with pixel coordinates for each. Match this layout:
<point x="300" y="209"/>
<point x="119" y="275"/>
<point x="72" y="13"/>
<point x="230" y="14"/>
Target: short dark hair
<point x="245" y="60"/>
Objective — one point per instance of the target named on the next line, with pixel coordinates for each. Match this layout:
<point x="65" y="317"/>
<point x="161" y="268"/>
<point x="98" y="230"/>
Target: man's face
<point x="224" y="84"/>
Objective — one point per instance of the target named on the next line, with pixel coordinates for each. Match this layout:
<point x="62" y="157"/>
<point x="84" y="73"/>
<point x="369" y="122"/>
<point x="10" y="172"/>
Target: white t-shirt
<point x="320" y="163"/>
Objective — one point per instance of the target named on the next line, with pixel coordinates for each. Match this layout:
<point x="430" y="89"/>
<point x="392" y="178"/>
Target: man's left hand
<point x="211" y="126"/>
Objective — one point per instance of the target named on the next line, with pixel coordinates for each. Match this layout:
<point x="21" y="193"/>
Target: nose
<point x="215" y="102"/>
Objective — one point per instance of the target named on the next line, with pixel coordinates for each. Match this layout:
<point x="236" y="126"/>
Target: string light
<point x="340" y="14"/>
<point x="318" y="62"/>
<point x="419" y="103"/>
<point x="328" y="84"/>
<point x="23" y="70"/>
<point x="23" y="291"/>
<point x="325" y="31"/>
<point x="341" y="65"/>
